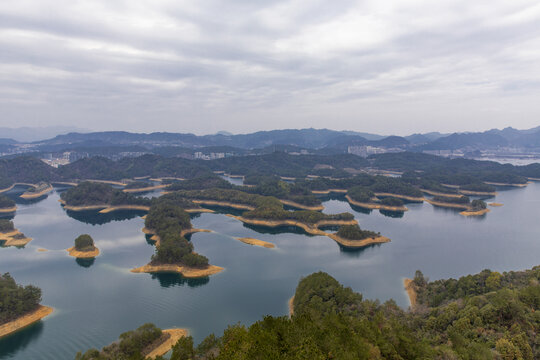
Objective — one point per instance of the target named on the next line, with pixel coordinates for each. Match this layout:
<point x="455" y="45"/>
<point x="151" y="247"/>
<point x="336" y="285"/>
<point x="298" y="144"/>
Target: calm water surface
<point x="95" y="302"/>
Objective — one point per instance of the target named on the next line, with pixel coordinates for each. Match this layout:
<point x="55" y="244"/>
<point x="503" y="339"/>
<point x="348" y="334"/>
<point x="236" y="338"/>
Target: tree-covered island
<point x="84" y="247"/>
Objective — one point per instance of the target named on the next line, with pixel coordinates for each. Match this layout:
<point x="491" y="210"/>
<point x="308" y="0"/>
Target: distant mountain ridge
<point x="325" y="140"/>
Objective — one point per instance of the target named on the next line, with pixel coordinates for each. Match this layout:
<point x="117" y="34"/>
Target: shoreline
<point x="124" y="207"/>
<point x="83" y="254"/>
<point x="223" y="204"/>
<point x="325" y="192"/>
<point x="25" y="320"/>
<point x="408" y="284"/>
<point x="104" y="208"/>
<point x="474" y="213"/>
<point x="375" y="206"/>
<point x="448" y="205"/>
<point x="8" y="210"/>
<point x="63" y="183"/>
<point x="435" y="193"/>
<point x="145" y="189"/>
<point x="185" y="271"/>
<point x="10" y="240"/>
<point x="477" y="193"/>
<point x="504" y="184"/>
<point x="314" y="230"/>
<point x="7" y="189"/>
<point x="300" y="206"/>
<point x="29" y="196"/>
<point x="359" y="243"/>
<point x="173" y="336"/>
<point x="256" y="242"/>
<point x="83" y="208"/>
<point x="495" y="204"/>
<point x="404" y="197"/>
<point x="110" y="182"/>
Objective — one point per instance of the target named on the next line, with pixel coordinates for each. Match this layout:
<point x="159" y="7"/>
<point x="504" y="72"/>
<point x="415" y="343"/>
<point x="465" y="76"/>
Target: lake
<point x="95" y="302"/>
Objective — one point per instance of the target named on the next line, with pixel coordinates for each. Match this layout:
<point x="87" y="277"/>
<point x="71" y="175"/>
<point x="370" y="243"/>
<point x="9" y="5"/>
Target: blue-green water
<point x="95" y="302"/>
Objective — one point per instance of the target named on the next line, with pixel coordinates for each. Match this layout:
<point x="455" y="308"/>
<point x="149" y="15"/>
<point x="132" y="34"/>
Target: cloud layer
<point x="201" y="66"/>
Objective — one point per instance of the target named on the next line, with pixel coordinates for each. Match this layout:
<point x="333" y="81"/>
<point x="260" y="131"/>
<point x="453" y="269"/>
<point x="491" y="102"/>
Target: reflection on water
<point x="18" y="341"/>
<point x="285" y="229"/>
<point x="94" y="217"/>
<point x="170" y="280"/>
<point x="392" y="214"/>
<point x="361" y="210"/>
<point x="85" y="263"/>
<point x="95" y="305"/>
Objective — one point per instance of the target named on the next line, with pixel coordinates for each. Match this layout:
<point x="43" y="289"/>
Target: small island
<point x="11" y="236"/>
<point x="84" y="248"/>
<point x="19" y="306"/>
<point x="353" y="236"/>
<point x="37" y="191"/>
<point x="256" y="242"/>
<point x="7" y="206"/>
<point x="174" y="253"/>
<point x="148" y="341"/>
<point x="477" y="208"/>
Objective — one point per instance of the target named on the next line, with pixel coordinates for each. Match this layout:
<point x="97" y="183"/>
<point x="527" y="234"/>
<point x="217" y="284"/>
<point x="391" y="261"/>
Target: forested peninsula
<point x="19" y="306"/>
<point x="484" y="316"/>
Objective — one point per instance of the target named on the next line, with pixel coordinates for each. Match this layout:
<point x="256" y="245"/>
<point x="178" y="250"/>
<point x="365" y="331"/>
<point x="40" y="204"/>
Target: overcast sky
<point x="391" y="67"/>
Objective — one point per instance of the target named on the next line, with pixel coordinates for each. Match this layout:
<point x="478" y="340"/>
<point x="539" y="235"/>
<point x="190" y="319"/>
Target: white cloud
<point x="243" y="65"/>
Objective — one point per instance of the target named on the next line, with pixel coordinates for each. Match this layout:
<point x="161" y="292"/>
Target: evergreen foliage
<point x="84" y="243"/>
<point x="16" y="300"/>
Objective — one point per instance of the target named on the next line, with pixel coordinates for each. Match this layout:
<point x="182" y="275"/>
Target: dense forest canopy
<point x="484" y="316"/>
<point x="91" y="193"/>
<point x="16" y="300"/>
<point x="353" y="232"/>
<point x="6" y="225"/>
<point x="6" y="202"/>
<point x="168" y="220"/>
<point x="131" y="345"/>
<point x="84" y="242"/>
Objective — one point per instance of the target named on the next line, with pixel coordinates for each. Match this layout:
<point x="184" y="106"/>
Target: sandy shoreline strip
<point x="448" y="205"/>
<point x="124" y="207"/>
<point x="435" y="193"/>
<point x="256" y="242"/>
<point x="300" y="206"/>
<point x="504" y="184"/>
<point x="495" y="204"/>
<point x="224" y="204"/>
<point x="83" y="254"/>
<point x="185" y="271"/>
<point x="408" y="284"/>
<point x="8" y="210"/>
<point x="145" y="189"/>
<point x="375" y="206"/>
<point x="314" y="230"/>
<point x="324" y="192"/>
<point x="474" y="213"/>
<point x="24" y="321"/>
<point x="10" y="239"/>
<point x="477" y="193"/>
<point x="173" y="336"/>
<point x="405" y="197"/>
<point x="31" y="195"/>
<point x="7" y="189"/>
<point x="358" y="243"/>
